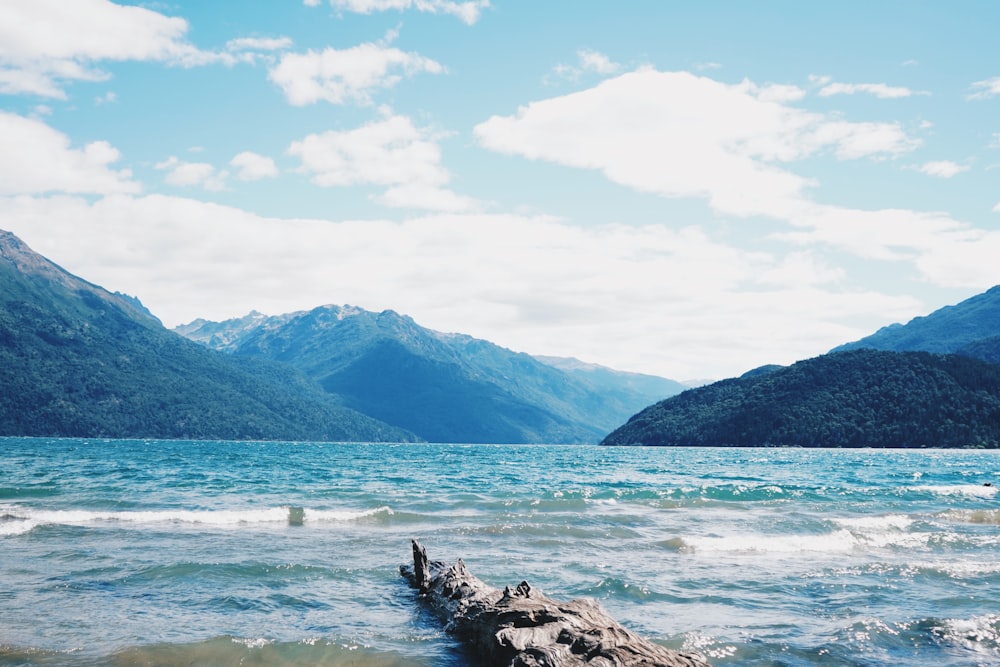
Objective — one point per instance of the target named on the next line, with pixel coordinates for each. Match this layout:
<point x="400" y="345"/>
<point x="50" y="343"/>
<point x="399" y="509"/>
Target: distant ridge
<point x="443" y="387"/>
<point x="950" y="329"/>
<point x="79" y="361"/>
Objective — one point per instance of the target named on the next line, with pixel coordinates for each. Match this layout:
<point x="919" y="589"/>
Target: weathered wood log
<point x="523" y="628"/>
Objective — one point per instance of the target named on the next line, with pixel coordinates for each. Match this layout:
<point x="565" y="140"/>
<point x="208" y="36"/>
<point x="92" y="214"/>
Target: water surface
<point x="182" y="553"/>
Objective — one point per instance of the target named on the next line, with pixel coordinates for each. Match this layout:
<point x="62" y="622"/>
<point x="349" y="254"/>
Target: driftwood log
<point x="523" y="628"/>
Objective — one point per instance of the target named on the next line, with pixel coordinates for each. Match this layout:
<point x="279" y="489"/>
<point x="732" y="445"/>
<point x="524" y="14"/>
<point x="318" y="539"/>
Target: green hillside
<point x="861" y="398"/>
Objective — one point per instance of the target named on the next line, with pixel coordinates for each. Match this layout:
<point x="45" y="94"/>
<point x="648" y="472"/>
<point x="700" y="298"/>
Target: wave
<point x="973" y="516"/>
<point x="848" y="534"/>
<point x="16" y="519"/>
<point x="978" y="636"/>
<point x="968" y="490"/>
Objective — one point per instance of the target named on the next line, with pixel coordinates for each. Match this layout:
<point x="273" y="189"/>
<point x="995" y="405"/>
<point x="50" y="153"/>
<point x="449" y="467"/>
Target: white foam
<point x="850" y="534"/>
<point x="980" y="634"/>
<point x="965" y="569"/>
<point x="888" y="522"/>
<point x="16" y="526"/>
<point x="973" y="490"/>
<point x="841" y="541"/>
<point x="890" y="530"/>
<point x="22" y="519"/>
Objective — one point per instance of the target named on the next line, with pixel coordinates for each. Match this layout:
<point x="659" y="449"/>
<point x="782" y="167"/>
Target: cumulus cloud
<point x="45" y="44"/>
<point x="613" y="294"/>
<point x="253" y="166"/>
<point x="339" y="76"/>
<point x="985" y="89"/>
<point x="469" y="12"/>
<point x="35" y="158"/>
<point x="880" y="90"/>
<point x="193" y="174"/>
<point x="390" y="152"/>
<point x="677" y="135"/>
<point x="680" y="135"/>
<point x="942" y="168"/>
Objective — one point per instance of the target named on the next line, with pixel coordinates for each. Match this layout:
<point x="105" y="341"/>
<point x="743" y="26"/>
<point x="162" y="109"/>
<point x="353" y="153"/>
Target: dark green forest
<point x="861" y="398"/>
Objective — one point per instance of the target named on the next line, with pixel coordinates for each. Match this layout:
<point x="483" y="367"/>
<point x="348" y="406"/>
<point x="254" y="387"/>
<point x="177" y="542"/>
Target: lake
<point x="132" y="552"/>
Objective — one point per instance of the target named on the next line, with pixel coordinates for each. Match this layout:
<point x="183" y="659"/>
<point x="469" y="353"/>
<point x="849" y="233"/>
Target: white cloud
<point x="679" y="135"/>
<point x="391" y="153"/>
<point x="344" y="75"/>
<point x="468" y="12"/>
<point x="44" y="44"/>
<point x="985" y="89"/>
<point x="942" y="168"/>
<point x="594" y="61"/>
<point x="879" y="90"/>
<point x="943" y="251"/>
<point x="193" y="174"/>
<point x="253" y="166"/>
<point x="996" y="209"/>
<point x="587" y="61"/>
<point x="613" y="294"/>
<point x="259" y="44"/>
<point x="35" y="158"/>
<point x="780" y="93"/>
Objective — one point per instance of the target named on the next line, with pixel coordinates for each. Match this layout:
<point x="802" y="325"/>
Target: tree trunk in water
<point x="523" y="628"/>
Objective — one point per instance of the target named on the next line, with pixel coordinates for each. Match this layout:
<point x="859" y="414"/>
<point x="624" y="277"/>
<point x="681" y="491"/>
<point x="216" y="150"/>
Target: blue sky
<point x="690" y="189"/>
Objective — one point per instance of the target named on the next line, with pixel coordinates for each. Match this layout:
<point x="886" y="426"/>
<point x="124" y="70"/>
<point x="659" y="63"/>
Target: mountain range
<point x="77" y="360"/>
<point x="933" y="382"/>
<point x="443" y="387"/>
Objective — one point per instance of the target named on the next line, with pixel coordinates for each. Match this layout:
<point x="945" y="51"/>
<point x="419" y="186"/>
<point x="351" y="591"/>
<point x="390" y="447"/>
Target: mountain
<point x="961" y="328"/>
<point x="616" y="385"/>
<point x="443" y="387"/>
<point x="77" y="360"/>
<point x="859" y="398"/>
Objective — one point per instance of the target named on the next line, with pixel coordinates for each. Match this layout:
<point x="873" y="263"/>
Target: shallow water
<point x="183" y="553"/>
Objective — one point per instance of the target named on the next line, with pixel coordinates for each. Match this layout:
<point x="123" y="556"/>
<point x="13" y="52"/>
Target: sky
<point x="687" y="189"/>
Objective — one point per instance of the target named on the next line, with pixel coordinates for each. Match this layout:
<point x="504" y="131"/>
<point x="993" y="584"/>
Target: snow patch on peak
<point x="343" y="312"/>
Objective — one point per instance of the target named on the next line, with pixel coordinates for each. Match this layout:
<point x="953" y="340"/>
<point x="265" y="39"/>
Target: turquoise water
<point x="182" y="553"/>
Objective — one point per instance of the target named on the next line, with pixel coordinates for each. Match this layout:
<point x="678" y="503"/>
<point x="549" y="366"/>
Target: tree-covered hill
<point x="76" y="360"/>
<point x="860" y="398"/>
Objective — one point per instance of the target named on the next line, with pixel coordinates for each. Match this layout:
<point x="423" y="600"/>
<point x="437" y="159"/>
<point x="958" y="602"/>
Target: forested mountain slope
<point x="860" y="398"/>
<point x="76" y="360"/>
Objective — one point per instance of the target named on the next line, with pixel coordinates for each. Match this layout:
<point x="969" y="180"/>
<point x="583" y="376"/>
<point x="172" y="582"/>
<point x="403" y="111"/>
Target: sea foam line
<point x="850" y="534"/>
<point x="15" y="520"/>
<point x="973" y="490"/>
